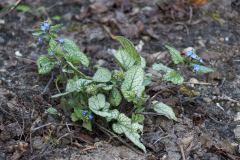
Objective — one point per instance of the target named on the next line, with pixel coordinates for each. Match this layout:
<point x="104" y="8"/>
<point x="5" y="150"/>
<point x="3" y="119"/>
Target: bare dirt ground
<point x="208" y="124"/>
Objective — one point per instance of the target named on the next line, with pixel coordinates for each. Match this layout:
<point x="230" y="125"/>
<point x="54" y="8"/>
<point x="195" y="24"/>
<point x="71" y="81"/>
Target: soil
<point x="208" y="124"/>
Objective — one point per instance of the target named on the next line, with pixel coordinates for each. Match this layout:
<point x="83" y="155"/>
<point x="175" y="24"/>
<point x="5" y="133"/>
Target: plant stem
<point x="154" y="85"/>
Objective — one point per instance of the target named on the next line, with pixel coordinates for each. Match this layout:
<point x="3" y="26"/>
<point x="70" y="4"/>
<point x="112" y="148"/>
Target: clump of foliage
<point x="101" y="96"/>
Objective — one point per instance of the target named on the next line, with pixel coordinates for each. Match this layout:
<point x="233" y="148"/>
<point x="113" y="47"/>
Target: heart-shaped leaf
<point x="124" y="60"/>
<point x="102" y="75"/>
<point x="115" y="97"/>
<point x="164" y="109"/>
<point x="173" y="76"/>
<point x="176" y="56"/>
<point x="160" y="67"/>
<point x="44" y="64"/>
<point x="133" y="80"/>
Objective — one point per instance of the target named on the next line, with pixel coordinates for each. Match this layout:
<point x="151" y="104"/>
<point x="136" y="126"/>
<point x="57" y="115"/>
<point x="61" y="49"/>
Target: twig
<point x="57" y="86"/>
<point x="190" y="17"/>
<point x="182" y="152"/>
<point x="149" y="103"/>
<point x="24" y="59"/>
<point x="48" y="84"/>
<point x="228" y="98"/>
<point x="222" y="82"/>
<point x="184" y="26"/>
<point x="87" y="148"/>
<point x="120" y="139"/>
<point x="43" y="150"/>
<point x="15" y="5"/>
<point x="153" y="86"/>
<point x="70" y="133"/>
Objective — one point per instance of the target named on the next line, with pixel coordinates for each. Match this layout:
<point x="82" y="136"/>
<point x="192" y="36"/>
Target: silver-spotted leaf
<point x="173" y="76"/>
<point x="74" y="55"/>
<point x="115" y="97"/>
<point x="124" y="60"/>
<point x="102" y="75"/>
<point x="97" y="102"/>
<point x="133" y="80"/>
<point x="129" y="47"/>
<point x="44" y="64"/>
<point x="133" y="136"/>
<point x="176" y="56"/>
<point x="160" y="67"/>
<point x="164" y="109"/>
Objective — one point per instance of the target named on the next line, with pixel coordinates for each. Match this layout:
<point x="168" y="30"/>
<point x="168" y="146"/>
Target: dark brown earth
<point x="207" y="126"/>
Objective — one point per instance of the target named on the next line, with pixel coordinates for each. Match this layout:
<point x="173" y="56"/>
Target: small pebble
<point x="146" y="38"/>
<point x="208" y="100"/>
<point x="2" y="40"/>
<point x="17" y="53"/>
<point x="221" y="39"/>
<point x="188" y="49"/>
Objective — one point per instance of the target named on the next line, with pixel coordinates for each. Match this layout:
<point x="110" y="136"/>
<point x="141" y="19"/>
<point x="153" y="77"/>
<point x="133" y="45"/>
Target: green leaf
<point x="55" y="27"/>
<point x="24" y="8"/>
<point x="74" y="54"/>
<point x="41" y="8"/>
<point x="97" y="102"/>
<point x="56" y="18"/>
<point x="133" y="136"/>
<point x="44" y="64"/>
<point x="87" y="125"/>
<point x="71" y="85"/>
<point x="115" y="97"/>
<point x="82" y="84"/>
<point x="7" y="8"/>
<point x="52" y="110"/>
<point x="133" y="81"/>
<point x="38" y="33"/>
<point x="173" y="76"/>
<point x="176" y="56"/>
<point x="78" y="112"/>
<point x="107" y="87"/>
<point x="129" y="47"/>
<point x="124" y="60"/>
<point x="47" y="37"/>
<point x="143" y="62"/>
<point x="202" y="69"/>
<point x="160" y="67"/>
<point x="74" y="117"/>
<point x="52" y="45"/>
<point x="102" y="75"/>
<point x="67" y="71"/>
<point x="54" y="35"/>
<point x="164" y="109"/>
<point x="137" y="117"/>
<point x="129" y="95"/>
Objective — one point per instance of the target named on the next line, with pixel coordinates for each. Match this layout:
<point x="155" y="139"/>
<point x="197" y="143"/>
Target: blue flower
<point x="201" y="61"/>
<point x="40" y="40"/>
<point x="196" y="67"/>
<point x="194" y="56"/>
<point x="61" y="40"/>
<point x="189" y="53"/>
<point x="51" y="54"/>
<point x="56" y="30"/>
<point x="46" y="24"/>
<point x="84" y="113"/>
<point x="90" y="116"/>
<point x="43" y="28"/>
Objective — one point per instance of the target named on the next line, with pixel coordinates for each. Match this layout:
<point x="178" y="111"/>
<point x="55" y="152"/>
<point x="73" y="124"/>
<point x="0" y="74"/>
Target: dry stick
<point x="120" y="139"/>
<point x="48" y="84"/>
<point x="70" y="133"/>
<point x="184" y="26"/>
<point x="153" y="86"/>
<point x="182" y="152"/>
<point x="190" y="17"/>
<point x="149" y="104"/>
<point x="46" y="146"/>
<point x="15" y="5"/>
<point x="24" y="59"/>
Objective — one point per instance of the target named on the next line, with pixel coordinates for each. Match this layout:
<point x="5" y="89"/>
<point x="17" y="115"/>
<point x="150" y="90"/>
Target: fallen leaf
<point x="197" y="2"/>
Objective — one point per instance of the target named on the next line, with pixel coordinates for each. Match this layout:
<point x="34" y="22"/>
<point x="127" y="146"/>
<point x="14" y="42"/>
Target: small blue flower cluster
<point x="45" y="26"/>
<point x="84" y="114"/>
<point x="196" y="57"/>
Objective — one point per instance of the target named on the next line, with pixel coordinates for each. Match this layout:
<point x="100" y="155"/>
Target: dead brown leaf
<point x="197" y="2"/>
<point x="85" y="137"/>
